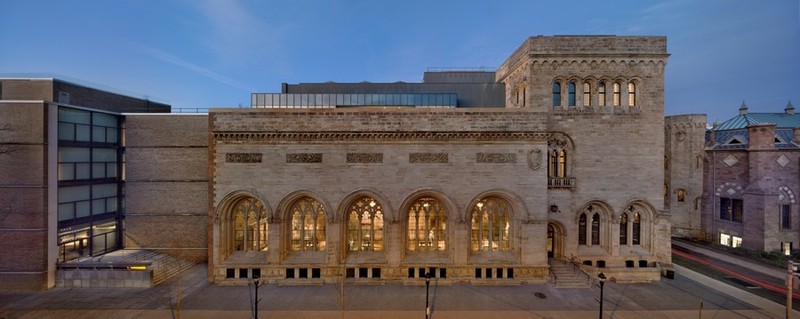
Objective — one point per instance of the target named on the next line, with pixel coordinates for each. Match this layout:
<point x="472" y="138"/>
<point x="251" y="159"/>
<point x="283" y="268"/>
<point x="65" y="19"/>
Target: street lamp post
<point x="602" y="278"/>
<point x="256" y="283"/>
<point x="427" y="291"/>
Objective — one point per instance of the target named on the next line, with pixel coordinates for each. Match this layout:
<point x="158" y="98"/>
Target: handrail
<point x="555" y="278"/>
<point x="102" y="265"/>
<point x="576" y="267"/>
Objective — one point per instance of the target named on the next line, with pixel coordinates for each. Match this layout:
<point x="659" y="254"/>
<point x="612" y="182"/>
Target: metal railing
<point x="561" y="182"/>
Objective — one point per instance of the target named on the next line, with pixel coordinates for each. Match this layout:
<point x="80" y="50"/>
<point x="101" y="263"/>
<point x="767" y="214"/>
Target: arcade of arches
<point x="309" y="237"/>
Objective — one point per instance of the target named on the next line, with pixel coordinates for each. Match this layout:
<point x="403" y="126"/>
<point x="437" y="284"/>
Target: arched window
<point x="587" y="94"/>
<point x="582" y="229"/>
<point x="250" y="225"/>
<point x="557" y="157"/>
<point x="631" y="94"/>
<point x="631" y="230"/>
<point x="365" y="225"/>
<point x="491" y="220"/>
<point x="558" y="163"/>
<point x="571" y="94"/>
<point x="426" y="225"/>
<point x="601" y="93"/>
<point x="623" y="229"/>
<point x="637" y="228"/>
<point x="556" y="94"/>
<point x="617" y="97"/>
<point x="596" y="229"/>
<point x="308" y="225"/>
<point x="786" y="200"/>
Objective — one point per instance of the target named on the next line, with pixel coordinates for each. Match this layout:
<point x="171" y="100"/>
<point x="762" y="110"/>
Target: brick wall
<point x="166" y="184"/>
<point x="23" y="196"/>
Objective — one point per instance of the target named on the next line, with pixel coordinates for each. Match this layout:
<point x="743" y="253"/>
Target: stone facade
<point x="752" y="180"/>
<point x="684" y="159"/>
<point x="578" y="176"/>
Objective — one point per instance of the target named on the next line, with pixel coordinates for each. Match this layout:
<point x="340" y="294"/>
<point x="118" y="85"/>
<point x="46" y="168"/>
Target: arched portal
<point x="555" y="240"/>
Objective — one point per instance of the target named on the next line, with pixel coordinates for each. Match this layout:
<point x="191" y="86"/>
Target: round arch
<point x="518" y="207"/>
<point x="647" y="222"/>
<point x="451" y="218"/>
<point x="224" y="243"/>
<point x="283" y="206"/>
<point x="449" y="204"/>
<point x="365" y="239"/>
<point x="225" y="206"/>
<point x="299" y="237"/>
<point x="341" y="210"/>
<point x="556" y="235"/>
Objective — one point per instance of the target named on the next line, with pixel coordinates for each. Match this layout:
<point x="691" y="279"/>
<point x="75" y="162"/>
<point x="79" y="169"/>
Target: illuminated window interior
<point x="490" y="225"/>
<point x="365" y="225"/>
<point x="308" y="225"/>
<point x="426" y="226"/>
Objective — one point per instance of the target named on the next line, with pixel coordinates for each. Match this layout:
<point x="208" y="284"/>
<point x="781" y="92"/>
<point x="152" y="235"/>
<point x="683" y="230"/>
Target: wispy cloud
<point x="175" y="60"/>
<point x="239" y="36"/>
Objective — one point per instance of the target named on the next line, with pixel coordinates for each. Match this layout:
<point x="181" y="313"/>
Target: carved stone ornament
<point x="428" y="157"/>
<point x="535" y="159"/>
<point x="496" y="158"/>
<point x="364" y="158"/>
<point x="242" y="157"/>
<point x="304" y="158"/>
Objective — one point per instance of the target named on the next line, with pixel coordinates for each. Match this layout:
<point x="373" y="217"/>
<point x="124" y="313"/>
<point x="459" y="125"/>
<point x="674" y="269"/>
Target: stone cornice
<point x="336" y="137"/>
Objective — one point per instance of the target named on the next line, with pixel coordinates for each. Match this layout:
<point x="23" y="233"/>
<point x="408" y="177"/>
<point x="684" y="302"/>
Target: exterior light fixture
<point x="602" y="279"/>
<point x="427" y="293"/>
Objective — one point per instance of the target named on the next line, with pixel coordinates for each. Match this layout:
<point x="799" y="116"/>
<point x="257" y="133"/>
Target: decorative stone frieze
<point x="338" y="137"/>
<point x="364" y="158"/>
<point x="496" y="158"/>
<point x="304" y="158"/>
<point x="242" y="157"/>
<point x="428" y="158"/>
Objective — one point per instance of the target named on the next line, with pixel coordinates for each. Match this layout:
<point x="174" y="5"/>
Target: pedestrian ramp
<point x="132" y="268"/>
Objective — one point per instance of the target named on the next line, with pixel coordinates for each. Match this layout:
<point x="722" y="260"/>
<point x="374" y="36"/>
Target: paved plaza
<point x="678" y="298"/>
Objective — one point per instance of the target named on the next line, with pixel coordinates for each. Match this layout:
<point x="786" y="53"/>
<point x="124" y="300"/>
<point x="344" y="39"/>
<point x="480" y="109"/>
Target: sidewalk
<point x="678" y="298"/>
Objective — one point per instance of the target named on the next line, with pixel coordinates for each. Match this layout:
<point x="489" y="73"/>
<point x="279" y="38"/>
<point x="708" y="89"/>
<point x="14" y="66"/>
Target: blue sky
<point x="214" y="53"/>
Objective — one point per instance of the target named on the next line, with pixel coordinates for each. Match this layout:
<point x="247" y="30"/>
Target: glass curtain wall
<point x="90" y="182"/>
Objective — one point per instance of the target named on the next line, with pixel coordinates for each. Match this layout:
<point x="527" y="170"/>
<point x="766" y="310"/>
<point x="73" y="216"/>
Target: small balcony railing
<point x="561" y="182"/>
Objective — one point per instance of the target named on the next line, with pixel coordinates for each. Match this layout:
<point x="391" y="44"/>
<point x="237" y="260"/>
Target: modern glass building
<point x="90" y="182"/>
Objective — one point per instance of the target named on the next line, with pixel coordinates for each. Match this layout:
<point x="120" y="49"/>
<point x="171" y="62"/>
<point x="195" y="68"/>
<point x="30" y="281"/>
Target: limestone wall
<point x="684" y="157"/>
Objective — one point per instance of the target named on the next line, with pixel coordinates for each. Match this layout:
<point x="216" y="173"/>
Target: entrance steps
<point x="566" y="275"/>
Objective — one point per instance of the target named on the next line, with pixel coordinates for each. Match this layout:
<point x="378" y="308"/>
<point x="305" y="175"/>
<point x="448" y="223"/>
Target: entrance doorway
<point x="555" y="237"/>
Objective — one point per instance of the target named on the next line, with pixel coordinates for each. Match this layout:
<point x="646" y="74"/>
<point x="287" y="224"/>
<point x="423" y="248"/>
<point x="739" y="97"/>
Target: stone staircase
<point x="564" y="275"/>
